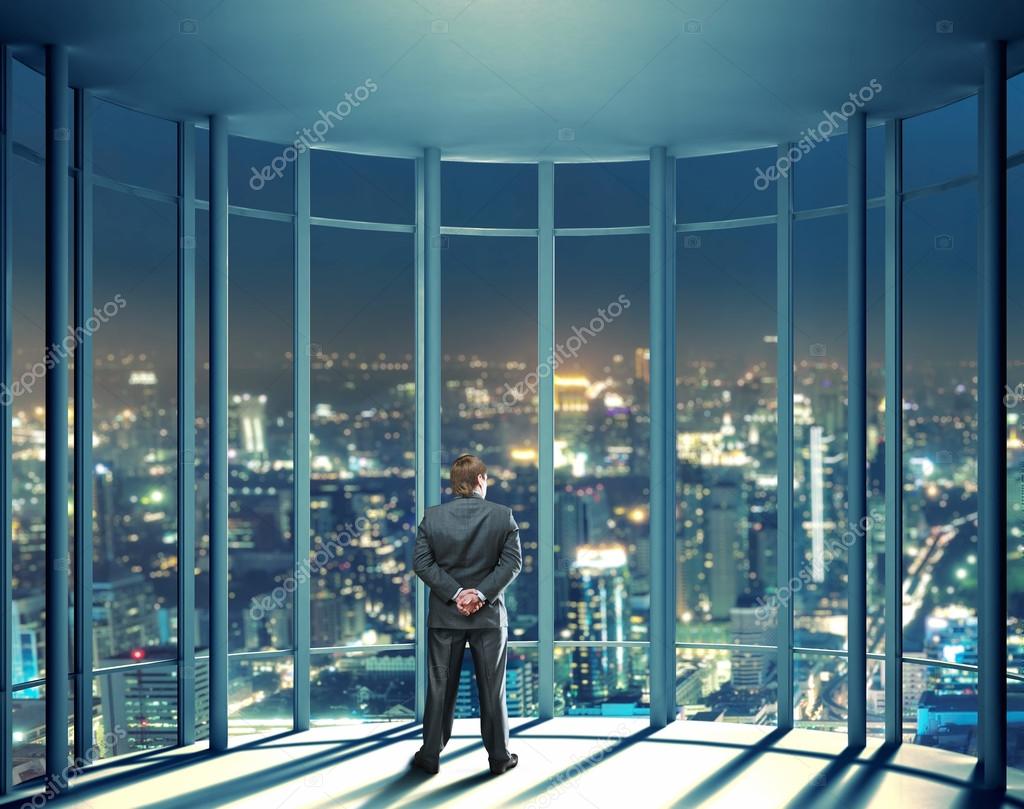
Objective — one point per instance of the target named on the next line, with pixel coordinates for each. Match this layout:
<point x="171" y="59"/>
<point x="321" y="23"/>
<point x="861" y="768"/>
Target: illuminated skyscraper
<point x="722" y="534"/>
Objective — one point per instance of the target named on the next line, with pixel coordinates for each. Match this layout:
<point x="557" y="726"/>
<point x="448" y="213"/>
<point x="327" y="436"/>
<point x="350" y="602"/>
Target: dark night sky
<point x="362" y="281"/>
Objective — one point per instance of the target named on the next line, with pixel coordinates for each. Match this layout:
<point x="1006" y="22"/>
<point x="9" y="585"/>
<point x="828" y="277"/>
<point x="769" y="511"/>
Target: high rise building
<point x="722" y="534"/>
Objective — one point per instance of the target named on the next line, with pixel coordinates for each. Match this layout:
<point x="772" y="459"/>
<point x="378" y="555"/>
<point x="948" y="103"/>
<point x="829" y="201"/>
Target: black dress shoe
<point x="499" y="767"/>
<point x="426" y="766"/>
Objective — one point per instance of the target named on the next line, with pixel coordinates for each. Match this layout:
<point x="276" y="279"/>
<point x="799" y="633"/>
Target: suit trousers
<point x="446" y="647"/>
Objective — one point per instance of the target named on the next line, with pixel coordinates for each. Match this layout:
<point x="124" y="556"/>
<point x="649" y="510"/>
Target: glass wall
<point x="1014" y="399"/>
<point x="726" y="534"/>
<point x="261" y="565"/>
<point x="134" y="444"/>
<point x="362" y="488"/>
<point x="602" y="542"/>
<point x="940" y="317"/>
<point x="362" y="353"/>
<point x="28" y="422"/>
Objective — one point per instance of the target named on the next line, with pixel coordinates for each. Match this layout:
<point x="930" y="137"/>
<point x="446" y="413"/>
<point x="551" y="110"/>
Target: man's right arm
<point x="510" y="562"/>
<point x="426" y="567"/>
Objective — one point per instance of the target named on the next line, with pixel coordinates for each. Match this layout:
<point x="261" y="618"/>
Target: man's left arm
<point x="510" y="562"/>
<point x="426" y="567"/>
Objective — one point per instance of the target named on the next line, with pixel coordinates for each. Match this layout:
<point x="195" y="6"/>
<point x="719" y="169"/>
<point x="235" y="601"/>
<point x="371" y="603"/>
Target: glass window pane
<point x="134" y="425"/>
<point x="202" y="163"/>
<point x="1015" y="114"/>
<point x="724" y="186"/>
<point x="138" y="709"/>
<point x="363" y="517"/>
<point x="875" y="529"/>
<point x="602" y="435"/>
<point x="28" y="468"/>
<point x="601" y="194"/>
<point x="717" y="685"/>
<point x="28" y="107"/>
<point x="876" y="161"/>
<point x="134" y="147"/>
<point x="28" y="731"/>
<point x="367" y="189"/>
<point x="261" y="175"/>
<point x="726" y="576"/>
<point x="489" y="195"/>
<point x="593" y="681"/>
<point x="940" y="425"/>
<point x="940" y="707"/>
<point x="819" y="174"/>
<point x="819" y="436"/>
<point x="1014" y="399"/>
<point x="941" y="144"/>
<point x="821" y="700"/>
<point x="488" y="405"/>
<point x="260" y="696"/>
<point x="353" y="687"/>
<point x="260" y="445"/>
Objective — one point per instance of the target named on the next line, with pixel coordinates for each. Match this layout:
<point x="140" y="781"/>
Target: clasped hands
<point x="468" y="602"/>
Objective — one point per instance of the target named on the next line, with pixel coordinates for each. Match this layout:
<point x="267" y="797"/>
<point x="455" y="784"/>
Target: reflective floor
<point x="567" y="762"/>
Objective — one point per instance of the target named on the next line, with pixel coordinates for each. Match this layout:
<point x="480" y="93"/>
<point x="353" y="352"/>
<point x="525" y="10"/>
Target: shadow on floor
<point x="847" y="780"/>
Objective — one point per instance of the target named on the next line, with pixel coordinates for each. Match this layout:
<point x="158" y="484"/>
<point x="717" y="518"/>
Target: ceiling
<point x="521" y="80"/>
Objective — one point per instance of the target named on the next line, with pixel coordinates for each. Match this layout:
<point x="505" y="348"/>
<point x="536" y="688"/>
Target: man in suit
<point x="467" y="553"/>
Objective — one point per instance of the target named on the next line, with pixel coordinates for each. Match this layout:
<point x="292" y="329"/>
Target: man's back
<point x="476" y="543"/>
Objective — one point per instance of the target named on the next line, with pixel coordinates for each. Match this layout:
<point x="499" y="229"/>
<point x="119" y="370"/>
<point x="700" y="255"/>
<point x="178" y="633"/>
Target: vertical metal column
<point x="856" y="494"/>
<point x="784" y="453"/>
<point x="546" y="437"/>
<point x="6" y="402"/>
<point x="218" y="433"/>
<point x="186" y="384"/>
<point x="301" y="341"/>
<point x="428" y="375"/>
<point x="83" y="427"/>
<point x="668" y="215"/>
<point x="57" y="282"/>
<point x="894" y="431"/>
<point x="662" y="438"/>
<point x="992" y="424"/>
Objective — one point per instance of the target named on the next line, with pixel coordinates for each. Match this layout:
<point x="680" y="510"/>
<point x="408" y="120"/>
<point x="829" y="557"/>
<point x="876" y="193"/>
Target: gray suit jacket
<point x="473" y="543"/>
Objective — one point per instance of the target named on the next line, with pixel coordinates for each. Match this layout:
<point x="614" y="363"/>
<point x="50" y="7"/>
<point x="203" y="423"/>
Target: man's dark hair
<point x="465" y="471"/>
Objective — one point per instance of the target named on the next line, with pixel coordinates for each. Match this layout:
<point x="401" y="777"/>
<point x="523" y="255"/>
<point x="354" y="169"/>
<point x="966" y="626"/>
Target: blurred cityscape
<point x="363" y="590"/>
